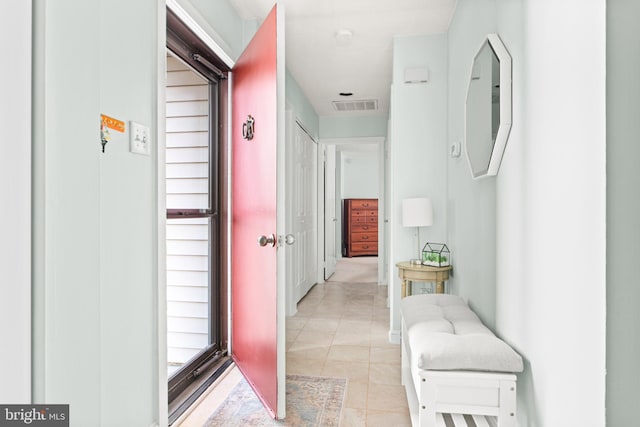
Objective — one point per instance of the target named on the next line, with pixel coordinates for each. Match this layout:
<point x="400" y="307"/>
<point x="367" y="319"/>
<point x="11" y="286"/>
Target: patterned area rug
<point x="311" y="401"/>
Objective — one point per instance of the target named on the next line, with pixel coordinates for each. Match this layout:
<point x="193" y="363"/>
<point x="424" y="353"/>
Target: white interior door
<point x="330" y="214"/>
<point x="305" y="220"/>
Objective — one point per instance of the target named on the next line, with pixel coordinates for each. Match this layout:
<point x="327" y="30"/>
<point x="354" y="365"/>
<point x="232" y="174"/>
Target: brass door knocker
<point x="248" y="128"/>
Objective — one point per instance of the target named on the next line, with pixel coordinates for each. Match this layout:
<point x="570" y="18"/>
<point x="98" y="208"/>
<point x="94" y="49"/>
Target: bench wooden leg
<point x="428" y="403"/>
<point x="464" y="392"/>
<point x="507" y="414"/>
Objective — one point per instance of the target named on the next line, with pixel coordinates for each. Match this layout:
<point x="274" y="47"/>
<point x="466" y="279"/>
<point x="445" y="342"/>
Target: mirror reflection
<point x="488" y="113"/>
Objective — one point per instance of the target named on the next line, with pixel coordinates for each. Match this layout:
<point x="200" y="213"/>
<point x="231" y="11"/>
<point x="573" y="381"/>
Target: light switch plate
<point x="139" y="138"/>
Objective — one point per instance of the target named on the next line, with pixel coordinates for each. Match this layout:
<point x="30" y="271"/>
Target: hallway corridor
<point x="341" y="330"/>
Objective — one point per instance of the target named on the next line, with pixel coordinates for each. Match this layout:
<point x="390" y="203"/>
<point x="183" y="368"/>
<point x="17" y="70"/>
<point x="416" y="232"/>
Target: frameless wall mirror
<point x="488" y="108"/>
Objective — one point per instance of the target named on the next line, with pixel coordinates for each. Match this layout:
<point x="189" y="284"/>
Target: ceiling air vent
<point x="358" y="105"/>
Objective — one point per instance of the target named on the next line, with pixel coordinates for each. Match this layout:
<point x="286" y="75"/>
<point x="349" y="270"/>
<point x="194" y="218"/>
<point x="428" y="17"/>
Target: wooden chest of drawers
<point x="360" y="227"/>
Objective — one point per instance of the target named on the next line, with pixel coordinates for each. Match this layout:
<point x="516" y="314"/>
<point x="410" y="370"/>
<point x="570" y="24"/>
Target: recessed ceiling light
<point x="346" y="94"/>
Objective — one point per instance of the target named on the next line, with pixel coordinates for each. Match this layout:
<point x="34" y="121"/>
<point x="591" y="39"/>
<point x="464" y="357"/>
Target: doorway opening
<point x="195" y="235"/>
<point x="352" y="168"/>
<point x="255" y="214"/>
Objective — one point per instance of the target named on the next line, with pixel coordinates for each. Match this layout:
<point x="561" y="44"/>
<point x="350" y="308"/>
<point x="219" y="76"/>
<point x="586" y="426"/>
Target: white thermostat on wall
<point x="456" y="149"/>
<point x="139" y="138"/>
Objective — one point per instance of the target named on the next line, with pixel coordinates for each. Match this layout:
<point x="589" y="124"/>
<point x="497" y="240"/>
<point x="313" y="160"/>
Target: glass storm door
<point x="192" y="228"/>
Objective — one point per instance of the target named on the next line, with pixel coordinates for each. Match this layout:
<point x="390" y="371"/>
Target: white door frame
<point x="292" y="121"/>
<point x="196" y="23"/>
<point x="379" y="141"/>
<point x="327" y="157"/>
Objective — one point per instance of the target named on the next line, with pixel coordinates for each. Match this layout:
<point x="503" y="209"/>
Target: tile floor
<point x="341" y="330"/>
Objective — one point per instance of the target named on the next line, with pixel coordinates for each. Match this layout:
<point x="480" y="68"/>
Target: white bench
<point x="453" y="364"/>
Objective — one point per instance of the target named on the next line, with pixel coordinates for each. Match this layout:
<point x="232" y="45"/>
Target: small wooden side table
<point x="422" y="273"/>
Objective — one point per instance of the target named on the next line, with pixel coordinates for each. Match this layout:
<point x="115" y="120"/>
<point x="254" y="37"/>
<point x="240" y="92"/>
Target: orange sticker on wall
<point x="112" y="123"/>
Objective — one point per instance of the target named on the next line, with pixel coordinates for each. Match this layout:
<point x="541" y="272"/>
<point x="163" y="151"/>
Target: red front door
<point x="256" y="322"/>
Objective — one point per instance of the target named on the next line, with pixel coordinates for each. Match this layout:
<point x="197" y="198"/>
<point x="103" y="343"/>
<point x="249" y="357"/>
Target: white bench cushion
<point x="444" y="334"/>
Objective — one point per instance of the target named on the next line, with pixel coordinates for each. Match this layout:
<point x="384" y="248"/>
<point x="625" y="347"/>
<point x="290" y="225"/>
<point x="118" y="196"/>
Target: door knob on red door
<point x="267" y="240"/>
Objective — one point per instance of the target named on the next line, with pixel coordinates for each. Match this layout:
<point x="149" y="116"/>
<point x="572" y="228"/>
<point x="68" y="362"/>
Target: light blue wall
<point x="418" y="150"/>
<point x="359" y="174"/>
<point x="550" y="193"/>
<point x="224" y="20"/>
<point x="94" y="291"/>
<point x="623" y="212"/>
<point x="15" y="196"/>
<point x="303" y="109"/>
<point x="472" y="204"/>
<point x="128" y="254"/>
<point x="353" y="127"/>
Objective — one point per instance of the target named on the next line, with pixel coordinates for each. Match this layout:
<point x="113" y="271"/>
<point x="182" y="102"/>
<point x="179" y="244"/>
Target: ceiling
<point x="325" y="64"/>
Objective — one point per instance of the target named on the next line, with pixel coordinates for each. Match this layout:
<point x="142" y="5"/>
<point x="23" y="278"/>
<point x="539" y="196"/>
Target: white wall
<point x="15" y="199"/>
<point x="418" y="150"/>
<point x="623" y="212"/>
<point x="548" y="201"/>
